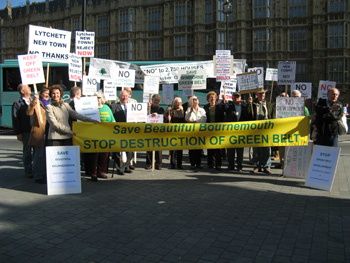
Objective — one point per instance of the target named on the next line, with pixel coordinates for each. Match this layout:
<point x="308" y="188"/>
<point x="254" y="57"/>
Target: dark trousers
<point x="231" y="152"/>
<point x="214" y="157"/>
<point x="176" y="158"/>
<point x="121" y="167"/>
<point x="27" y="156"/>
<point x="96" y="163"/>
<point x="158" y="160"/>
<point x="195" y="157"/>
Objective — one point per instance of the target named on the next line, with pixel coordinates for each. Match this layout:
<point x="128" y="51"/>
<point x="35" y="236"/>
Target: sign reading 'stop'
<point x="52" y="44"/>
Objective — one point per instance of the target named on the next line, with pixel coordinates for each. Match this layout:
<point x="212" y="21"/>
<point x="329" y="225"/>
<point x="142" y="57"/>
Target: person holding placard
<point x="260" y="109"/>
<point x="57" y="114"/>
<point x="22" y="126"/>
<point x="155" y="109"/>
<point x="215" y="113"/>
<point x="328" y="112"/>
<point x="195" y="114"/>
<point x="96" y="164"/>
<point x="38" y="134"/>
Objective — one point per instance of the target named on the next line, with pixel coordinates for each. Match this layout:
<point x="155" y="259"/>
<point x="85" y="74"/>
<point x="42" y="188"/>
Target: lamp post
<point x="227" y="11"/>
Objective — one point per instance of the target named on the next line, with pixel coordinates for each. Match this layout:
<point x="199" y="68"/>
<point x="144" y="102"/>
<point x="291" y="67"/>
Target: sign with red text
<point x="230" y="88"/>
<point x="223" y="65"/>
<point x="52" y="44"/>
<point x="75" y="68"/>
<point x="323" y="87"/>
<point x="31" y="68"/>
<point x="84" y="43"/>
<point x="137" y="112"/>
<point x="304" y="88"/>
<point x="289" y="107"/>
<point x="158" y="118"/>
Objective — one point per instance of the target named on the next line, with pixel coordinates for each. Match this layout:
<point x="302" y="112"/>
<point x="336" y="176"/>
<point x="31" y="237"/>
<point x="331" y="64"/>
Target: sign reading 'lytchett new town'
<point x="84" y="43"/>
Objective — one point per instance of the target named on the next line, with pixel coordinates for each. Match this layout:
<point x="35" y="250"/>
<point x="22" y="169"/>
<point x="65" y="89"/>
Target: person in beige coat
<point x="37" y="133"/>
<point x="57" y="114"/>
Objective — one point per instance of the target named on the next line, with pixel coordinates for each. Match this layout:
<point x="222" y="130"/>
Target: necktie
<point x="125" y="109"/>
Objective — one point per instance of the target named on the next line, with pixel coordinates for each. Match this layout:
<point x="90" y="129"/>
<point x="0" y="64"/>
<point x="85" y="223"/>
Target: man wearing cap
<point x="235" y="112"/>
<point x="260" y="109"/>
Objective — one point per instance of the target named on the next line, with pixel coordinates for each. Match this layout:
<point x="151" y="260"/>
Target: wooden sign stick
<point x="39" y="110"/>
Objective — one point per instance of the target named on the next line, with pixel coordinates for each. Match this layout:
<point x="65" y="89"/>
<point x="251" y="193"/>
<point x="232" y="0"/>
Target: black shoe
<point x="218" y="168"/>
<point x="239" y="169"/>
<point x="180" y="167"/>
<point x="128" y="171"/>
<point x="148" y="167"/>
<point x="94" y="178"/>
<point x="40" y="181"/>
<point x="120" y="172"/>
<point x="231" y="168"/>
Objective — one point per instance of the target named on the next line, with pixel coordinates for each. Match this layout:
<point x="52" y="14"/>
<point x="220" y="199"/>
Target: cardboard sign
<point x="286" y="72"/>
<point x="230" y="88"/>
<point x="289" y="107"/>
<point x="88" y="106"/>
<point x="223" y="65"/>
<point x="159" y="118"/>
<point x="324" y="162"/>
<point x="168" y="93"/>
<point x="125" y="78"/>
<point x="151" y="85"/>
<point x="304" y="88"/>
<point x="192" y="79"/>
<point x="84" y="43"/>
<point x="137" y="112"/>
<point x="271" y="74"/>
<point x="248" y="82"/>
<point x="260" y="72"/>
<point x="110" y="90"/>
<point x="63" y="170"/>
<point x="297" y="160"/>
<point x="31" y="68"/>
<point x="323" y="88"/>
<point x="52" y="44"/>
<point x="75" y="68"/>
<point x="90" y="86"/>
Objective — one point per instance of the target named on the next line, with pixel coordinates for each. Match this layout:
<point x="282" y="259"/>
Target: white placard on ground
<point x="297" y="160"/>
<point x="63" y="170"/>
<point x="323" y="166"/>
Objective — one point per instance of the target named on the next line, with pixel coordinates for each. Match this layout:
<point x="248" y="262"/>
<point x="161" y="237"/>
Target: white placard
<point x="230" y="88"/>
<point x="304" y="88"/>
<point x="192" y="79"/>
<point x="271" y="74"/>
<point x="110" y="90"/>
<point x="88" y="106"/>
<point x="125" y="78"/>
<point x="168" y="93"/>
<point x="289" y="107"/>
<point x="137" y="112"/>
<point x="223" y="65"/>
<point x="323" y="166"/>
<point x="323" y="88"/>
<point x="75" y="68"/>
<point x="159" y="118"/>
<point x="286" y="72"/>
<point x="63" y="170"/>
<point x="297" y="160"/>
<point x="187" y="92"/>
<point x="260" y="72"/>
<point x="90" y="85"/>
<point x="151" y="85"/>
<point x="31" y="68"/>
<point x="52" y="44"/>
<point x="84" y="43"/>
<point x="248" y="81"/>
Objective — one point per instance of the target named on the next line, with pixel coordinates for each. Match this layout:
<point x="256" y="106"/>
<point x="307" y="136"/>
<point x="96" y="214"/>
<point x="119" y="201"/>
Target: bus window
<point x="11" y="79"/>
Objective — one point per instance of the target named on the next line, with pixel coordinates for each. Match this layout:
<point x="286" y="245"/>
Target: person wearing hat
<point x="235" y="111"/>
<point x="260" y="109"/>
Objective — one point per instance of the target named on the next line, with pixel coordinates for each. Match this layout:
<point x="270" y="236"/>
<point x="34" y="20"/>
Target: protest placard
<point x="137" y="112"/>
<point x="125" y="78"/>
<point x="323" y="87"/>
<point x="84" y="43"/>
<point x="192" y="79"/>
<point x="52" y="44"/>
<point x="323" y="166"/>
<point x="289" y="107"/>
<point x="31" y="69"/>
<point x="75" y="68"/>
<point x="271" y="74"/>
<point x="63" y="170"/>
<point x="151" y="85"/>
<point x="223" y="65"/>
<point x="87" y="106"/>
<point x="159" y="118"/>
<point x="248" y="82"/>
<point x="260" y="72"/>
<point x="90" y="85"/>
<point x="110" y="90"/>
<point x="168" y="93"/>
<point x="305" y="89"/>
<point x="297" y="160"/>
<point x="230" y="88"/>
<point x="286" y="72"/>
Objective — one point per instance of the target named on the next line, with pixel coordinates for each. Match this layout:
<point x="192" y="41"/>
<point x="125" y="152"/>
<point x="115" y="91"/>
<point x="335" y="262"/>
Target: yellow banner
<point x="133" y="137"/>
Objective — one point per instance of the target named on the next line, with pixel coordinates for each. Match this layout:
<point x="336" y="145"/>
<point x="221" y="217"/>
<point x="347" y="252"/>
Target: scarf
<point x="44" y="102"/>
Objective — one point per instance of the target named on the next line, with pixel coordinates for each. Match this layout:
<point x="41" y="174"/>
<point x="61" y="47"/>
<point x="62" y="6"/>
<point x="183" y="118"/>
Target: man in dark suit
<point x="119" y="111"/>
<point x="235" y="112"/>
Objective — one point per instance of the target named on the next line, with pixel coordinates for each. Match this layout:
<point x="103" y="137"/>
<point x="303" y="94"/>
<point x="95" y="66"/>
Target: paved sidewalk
<point x="173" y="216"/>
